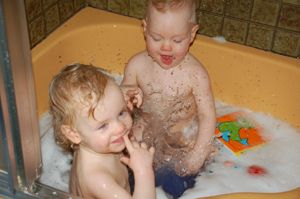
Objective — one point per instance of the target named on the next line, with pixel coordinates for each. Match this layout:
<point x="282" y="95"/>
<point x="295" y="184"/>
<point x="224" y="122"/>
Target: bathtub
<point x="241" y="76"/>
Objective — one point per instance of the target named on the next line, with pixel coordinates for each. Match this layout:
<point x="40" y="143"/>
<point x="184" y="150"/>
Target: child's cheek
<point x="151" y="48"/>
<point x="128" y="122"/>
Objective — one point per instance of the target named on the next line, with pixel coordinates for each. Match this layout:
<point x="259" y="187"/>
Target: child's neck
<point x="88" y="151"/>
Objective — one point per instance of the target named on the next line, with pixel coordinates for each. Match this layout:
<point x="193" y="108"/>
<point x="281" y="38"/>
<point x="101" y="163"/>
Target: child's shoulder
<point x="137" y="61"/>
<point x="194" y="65"/>
<point x="141" y="56"/>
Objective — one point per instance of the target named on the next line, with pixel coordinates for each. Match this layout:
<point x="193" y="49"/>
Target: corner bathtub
<point x="241" y="76"/>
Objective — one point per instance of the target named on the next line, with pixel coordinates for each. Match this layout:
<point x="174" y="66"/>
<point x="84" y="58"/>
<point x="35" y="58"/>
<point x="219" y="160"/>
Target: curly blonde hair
<point x="86" y="81"/>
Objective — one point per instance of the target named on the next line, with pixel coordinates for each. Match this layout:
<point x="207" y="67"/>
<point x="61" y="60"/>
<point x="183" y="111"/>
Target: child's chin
<point x="120" y="148"/>
<point x="166" y="66"/>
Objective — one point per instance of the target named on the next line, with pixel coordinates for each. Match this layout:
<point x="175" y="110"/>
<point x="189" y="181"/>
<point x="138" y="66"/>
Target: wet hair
<point x="165" y="5"/>
<point x="74" y="84"/>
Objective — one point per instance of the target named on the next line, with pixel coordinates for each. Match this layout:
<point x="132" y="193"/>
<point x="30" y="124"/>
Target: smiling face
<point x="104" y="132"/>
<point x="169" y="35"/>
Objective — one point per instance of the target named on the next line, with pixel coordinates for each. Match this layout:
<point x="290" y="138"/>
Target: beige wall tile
<point x="48" y="3"/>
<point x="295" y="2"/>
<point x="287" y="43"/>
<point x="214" y="6"/>
<point x="119" y="6"/>
<point x="36" y="30"/>
<point x="290" y="17"/>
<point x="210" y="25"/>
<point x="66" y="9"/>
<point x="239" y="8"/>
<point x="78" y="4"/>
<point x="265" y="11"/>
<point x="33" y="8"/>
<point x="138" y="8"/>
<point x="260" y="36"/>
<point x="52" y="18"/>
<point x="234" y="30"/>
<point x="102" y="4"/>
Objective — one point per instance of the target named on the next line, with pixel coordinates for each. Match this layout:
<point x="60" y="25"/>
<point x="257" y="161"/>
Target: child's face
<point x="104" y="134"/>
<point x="169" y="35"/>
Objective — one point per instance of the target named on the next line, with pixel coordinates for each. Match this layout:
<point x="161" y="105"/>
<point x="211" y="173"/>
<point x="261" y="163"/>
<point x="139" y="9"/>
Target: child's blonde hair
<point x="77" y="80"/>
<point x="165" y="5"/>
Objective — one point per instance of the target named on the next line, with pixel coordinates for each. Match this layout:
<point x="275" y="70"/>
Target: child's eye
<point x="177" y="41"/>
<point x="155" y="38"/>
<point x="103" y="126"/>
<point x="122" y="113"/>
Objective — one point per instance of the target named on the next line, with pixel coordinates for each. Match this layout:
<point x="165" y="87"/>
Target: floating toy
<point x="256" y="170"/>
<point x="228" y="163"/>
<point x="238" y="132"/>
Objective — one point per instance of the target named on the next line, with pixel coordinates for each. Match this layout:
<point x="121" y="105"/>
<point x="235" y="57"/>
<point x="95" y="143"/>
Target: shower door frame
<point x="19" y="129"/>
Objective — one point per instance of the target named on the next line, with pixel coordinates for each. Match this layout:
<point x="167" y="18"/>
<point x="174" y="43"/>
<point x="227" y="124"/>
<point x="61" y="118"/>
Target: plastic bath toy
<point x="238" y="132"/>
<point x="256" y="170"/>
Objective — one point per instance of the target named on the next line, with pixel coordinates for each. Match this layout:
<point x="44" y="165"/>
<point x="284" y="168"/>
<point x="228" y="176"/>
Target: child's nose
<point x="166" y="46"/>
<point x="119" y="127"/>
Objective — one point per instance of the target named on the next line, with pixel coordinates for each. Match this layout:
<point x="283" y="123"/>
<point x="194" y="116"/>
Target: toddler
<point x="90" y="118"/>
<point x="172" y="90"/>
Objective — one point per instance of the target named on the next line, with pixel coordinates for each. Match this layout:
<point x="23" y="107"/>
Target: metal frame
<point x="18" y="116"/>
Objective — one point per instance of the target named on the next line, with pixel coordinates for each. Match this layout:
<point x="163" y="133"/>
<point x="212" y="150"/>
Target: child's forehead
<point x="91" y="113"/>
<point x="82" y="102"/>
<point x="103" y="106"/>
<point x="167" y="23"/>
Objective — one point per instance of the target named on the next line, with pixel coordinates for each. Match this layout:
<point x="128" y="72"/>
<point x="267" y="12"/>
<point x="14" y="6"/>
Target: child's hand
<point x="141" y="159"/>
<point x="192" y="162"/>
<point x="133" y="96"/>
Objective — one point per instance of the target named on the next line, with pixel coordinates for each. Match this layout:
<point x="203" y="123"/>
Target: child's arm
<point x="140" y="161"/>
<point x="207" y="122"/>
<point x="133" y="95"/>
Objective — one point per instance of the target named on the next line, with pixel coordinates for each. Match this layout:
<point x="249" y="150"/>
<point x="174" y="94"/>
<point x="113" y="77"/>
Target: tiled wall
<point x="272" y="25"/>
<point x="44" y="16"/>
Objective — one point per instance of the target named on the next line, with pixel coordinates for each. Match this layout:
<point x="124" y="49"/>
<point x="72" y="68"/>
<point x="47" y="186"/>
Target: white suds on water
<point x="279" y="157"/>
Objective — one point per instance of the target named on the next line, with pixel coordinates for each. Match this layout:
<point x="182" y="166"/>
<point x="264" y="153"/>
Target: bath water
<point x="225" y="174"/>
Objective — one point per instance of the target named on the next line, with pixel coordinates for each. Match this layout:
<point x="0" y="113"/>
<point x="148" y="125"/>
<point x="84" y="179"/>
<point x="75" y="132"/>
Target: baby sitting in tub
<point x="90" y="118"/>
<point x="172" y="91"/>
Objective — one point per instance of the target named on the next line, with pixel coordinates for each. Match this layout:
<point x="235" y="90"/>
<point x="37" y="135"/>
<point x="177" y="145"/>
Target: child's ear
<point x="144" y="23"/>
<point x="194" y="32"/>
<point x="71" y="134"/>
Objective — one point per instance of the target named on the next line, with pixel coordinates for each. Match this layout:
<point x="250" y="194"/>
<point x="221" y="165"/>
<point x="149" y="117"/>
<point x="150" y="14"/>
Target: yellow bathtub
<point x="241" y="76"/>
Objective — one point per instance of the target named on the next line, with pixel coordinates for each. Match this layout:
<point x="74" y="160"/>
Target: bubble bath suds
<point x="278" y="157"/>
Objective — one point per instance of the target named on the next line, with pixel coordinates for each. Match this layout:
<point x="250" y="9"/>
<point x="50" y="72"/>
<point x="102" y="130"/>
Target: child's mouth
<point x="119" y="140"/>
<point x="166" y="59"/>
